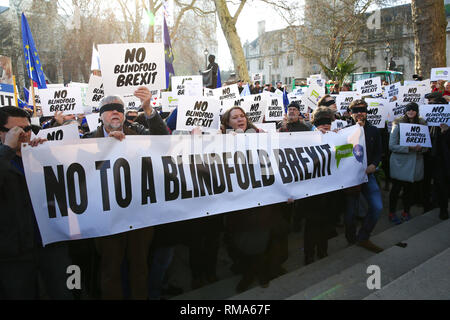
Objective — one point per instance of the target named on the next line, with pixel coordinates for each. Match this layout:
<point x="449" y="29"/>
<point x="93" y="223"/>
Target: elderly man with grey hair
<point x="133" y="245"/>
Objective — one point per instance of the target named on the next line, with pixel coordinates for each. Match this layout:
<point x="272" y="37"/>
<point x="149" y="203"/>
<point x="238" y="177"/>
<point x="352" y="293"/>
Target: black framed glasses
<point x="26" y="129"/>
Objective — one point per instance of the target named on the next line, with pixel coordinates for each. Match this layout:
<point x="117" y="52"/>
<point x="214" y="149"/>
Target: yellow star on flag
<point x="27" y="46"/>
<point x="37" y="61"/>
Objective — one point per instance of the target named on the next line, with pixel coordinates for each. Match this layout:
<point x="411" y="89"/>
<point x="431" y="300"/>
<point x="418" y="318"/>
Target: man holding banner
<point x="370" y="190"/>
<point x="134" y="245"/>
<point x="22" y="256"/>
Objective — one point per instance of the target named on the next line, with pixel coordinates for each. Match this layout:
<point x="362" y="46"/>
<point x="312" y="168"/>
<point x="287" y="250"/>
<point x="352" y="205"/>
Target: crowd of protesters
<point x="135" y="264"/>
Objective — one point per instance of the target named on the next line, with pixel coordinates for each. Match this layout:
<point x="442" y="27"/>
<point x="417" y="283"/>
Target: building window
<point x="261" y="64"/>
<point x="276" y="62"/>
<point x="373" y="69"/>
<point x="290" y="60"/>
<point x="370" y="54"/>
<point x="397" y="50"/>
<point x="248" y="66"/>
<point x="365" y="69"/>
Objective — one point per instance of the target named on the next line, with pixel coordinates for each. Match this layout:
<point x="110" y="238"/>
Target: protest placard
<point x="255" y="107"/>
<point x="105" y="186"/>
<point x="440" y="74"/>
<point x="66" y="99"/>
<point x="412" y="135"/>
<point x="435" y="114"/>
<point x="179" y="85"/>
<point x="66" y="133"/>
<point x="377" y="111"/>
<point x="391" y="92"/>
<point x="338" y="124"/>
<point x="6" y="70"/>
<point x="293" y="98"/>
<point x="7" y="95"/>
<point x="227" y="92"/>
<point x="93" y="121"/>
<point x="257" y="77"/>
<point x="369" y="87"/>
<point x="198" y="112"/>
<point x="84" y="88"/>
<point x="37" y="97"/>
<point x="95" y="91"/>
<point x="412" y="93"/>
<point x="299" y="91"/>
<point x="169" y="101"/>
<point x="229" y="103"/>
<point x="275" y="108"/>
<point x="313" y="95"/>
<point x="344" y="99"/>
<point x="126" y="67"/>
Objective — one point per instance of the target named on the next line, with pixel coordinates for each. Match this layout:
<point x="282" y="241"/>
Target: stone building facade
<point x="273" y="55"/>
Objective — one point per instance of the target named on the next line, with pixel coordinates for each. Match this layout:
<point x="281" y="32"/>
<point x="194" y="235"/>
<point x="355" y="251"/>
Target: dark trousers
<point x="407" y="197"/>
<point x="19" y="277"/>
<point x="316" y="237"/>
<point x="441" y="185"/>
<point x="203" y="251"/>
<point x="134" y="246"/>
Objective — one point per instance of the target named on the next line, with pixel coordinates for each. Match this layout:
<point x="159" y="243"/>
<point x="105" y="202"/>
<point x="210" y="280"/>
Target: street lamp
<point x="206" y="52"/>
<point x="387" y="50"/>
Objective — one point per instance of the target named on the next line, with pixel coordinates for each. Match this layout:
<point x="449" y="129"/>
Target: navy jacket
<point x="373" y="144"/>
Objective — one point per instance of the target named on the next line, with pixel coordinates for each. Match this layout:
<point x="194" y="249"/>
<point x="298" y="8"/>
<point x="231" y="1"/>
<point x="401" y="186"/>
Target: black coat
<point x="16" y="212"/>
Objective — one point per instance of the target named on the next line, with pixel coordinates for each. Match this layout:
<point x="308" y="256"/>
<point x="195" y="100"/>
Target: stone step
<point x="225" y="288"/>
<point x="302" y="278"/>
<point x="430" y="281"/>
<point x="351" y="283"/>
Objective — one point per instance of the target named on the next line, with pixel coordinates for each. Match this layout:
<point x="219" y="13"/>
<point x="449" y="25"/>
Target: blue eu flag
<point x="34" y="65"/>
<point x="168" y="53"/>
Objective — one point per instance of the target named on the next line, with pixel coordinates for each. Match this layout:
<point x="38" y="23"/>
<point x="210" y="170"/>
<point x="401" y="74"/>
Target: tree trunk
<point x="429" y="24"/>
<point x="234" y="42"/>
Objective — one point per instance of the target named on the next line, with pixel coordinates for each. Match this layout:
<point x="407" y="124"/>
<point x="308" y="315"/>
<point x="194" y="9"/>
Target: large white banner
<point x="65" y="99"/>
<point x="103" y="186"/>
<point x="126" y="67"/>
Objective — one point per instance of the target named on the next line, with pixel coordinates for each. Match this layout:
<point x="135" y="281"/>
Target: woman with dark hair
<point x="235" y="119"/>
<point x="257" y="237"/>
<point x="406" y="165"/>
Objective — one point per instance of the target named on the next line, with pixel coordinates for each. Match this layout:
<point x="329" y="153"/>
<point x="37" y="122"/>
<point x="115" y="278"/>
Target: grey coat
<point x="405" y="165"/>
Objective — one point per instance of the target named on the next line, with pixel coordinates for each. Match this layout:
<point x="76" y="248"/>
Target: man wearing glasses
<point x="22" y="256"/>
<point x="370" y="190"/>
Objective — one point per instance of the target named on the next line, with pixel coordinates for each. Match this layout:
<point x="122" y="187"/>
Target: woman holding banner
<point x="406" y="165"/>
<point x="257" y="237"/>
<point x="320" y="210"/>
